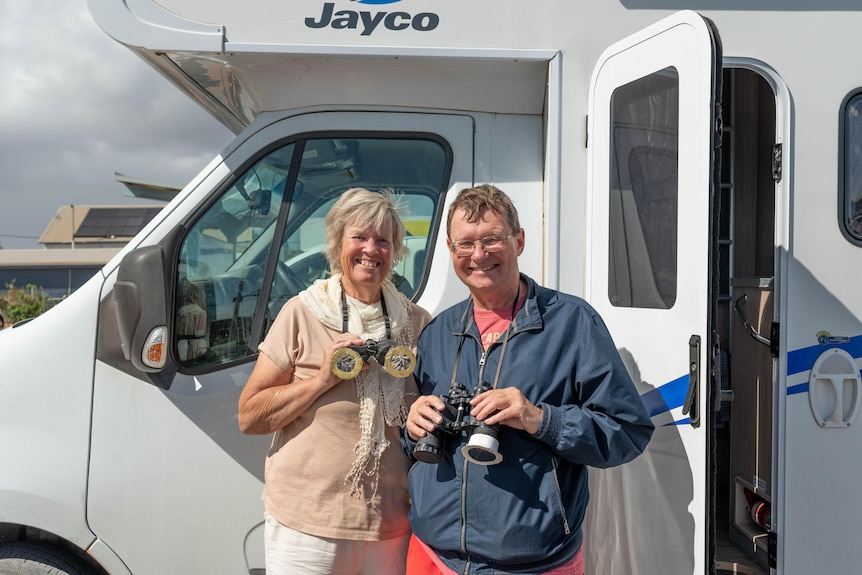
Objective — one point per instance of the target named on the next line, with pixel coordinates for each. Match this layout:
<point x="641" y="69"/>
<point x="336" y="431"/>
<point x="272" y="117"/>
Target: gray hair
<point x="361" y="207"/>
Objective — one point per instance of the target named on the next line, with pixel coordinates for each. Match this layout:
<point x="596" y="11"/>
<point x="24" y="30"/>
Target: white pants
<point x="290" y="552"/>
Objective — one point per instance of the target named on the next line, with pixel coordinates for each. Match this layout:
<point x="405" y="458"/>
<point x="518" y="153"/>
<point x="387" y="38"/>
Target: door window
<point x="227" y="277"/>
<point x="851" y="178"/>
<point x="644" y="192"/>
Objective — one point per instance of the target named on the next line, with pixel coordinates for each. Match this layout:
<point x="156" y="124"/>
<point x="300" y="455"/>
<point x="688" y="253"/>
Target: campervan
<point x="694" y="174"/>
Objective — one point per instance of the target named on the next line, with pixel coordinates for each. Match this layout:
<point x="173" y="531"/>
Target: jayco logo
<point x="368" y="21"/>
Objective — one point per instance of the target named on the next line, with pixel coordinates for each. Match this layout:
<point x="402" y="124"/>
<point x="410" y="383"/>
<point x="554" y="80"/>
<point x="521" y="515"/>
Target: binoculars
<point x="483" y="443"/>
<point x="396" y="360"/>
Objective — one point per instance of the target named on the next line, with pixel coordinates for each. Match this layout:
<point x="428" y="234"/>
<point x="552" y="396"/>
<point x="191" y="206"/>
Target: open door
<point x="652" y="144"/>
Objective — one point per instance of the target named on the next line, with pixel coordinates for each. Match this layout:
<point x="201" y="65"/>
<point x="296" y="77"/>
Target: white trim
<point x="401" y="51"/>
<point x="144" y="24"/>
<point x="783" y="190"/>
<point x="553" y="165"/>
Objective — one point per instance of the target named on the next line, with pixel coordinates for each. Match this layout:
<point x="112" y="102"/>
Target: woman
<point x="336" y="477"/>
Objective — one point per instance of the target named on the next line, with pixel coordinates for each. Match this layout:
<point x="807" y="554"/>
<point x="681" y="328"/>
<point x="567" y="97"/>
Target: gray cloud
<point x="76" y="107"/>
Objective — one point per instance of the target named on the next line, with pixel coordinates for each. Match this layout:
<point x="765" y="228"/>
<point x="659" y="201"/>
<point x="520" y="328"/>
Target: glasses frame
<point x="455" y="246"/>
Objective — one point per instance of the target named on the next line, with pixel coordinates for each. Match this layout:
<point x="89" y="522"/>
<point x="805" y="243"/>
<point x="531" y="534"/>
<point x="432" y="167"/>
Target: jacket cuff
<point x="546" y="421"/>
<point x="407" y="444"/>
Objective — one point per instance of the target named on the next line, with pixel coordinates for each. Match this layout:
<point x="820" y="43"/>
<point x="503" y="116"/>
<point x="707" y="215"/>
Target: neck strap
<point x="345" y="315"/>
<point x="502" y="352"/>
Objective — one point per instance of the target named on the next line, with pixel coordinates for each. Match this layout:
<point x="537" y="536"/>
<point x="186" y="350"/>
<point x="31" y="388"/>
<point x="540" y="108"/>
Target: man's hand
<point x="424" y="416"/>
<point x="507" y="406"/>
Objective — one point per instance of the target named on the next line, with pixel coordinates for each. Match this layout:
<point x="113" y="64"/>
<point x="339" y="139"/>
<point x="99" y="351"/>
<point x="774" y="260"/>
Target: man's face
<point x="487" y="275"/>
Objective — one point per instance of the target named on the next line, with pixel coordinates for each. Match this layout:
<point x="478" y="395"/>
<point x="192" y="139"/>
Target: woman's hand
<point x="271" y="399"/>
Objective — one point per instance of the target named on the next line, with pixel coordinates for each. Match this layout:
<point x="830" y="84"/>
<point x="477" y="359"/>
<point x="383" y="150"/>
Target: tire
<point x="26" y="558"/>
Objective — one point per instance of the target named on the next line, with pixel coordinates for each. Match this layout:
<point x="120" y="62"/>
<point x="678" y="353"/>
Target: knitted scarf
<point x="381" y="396"/>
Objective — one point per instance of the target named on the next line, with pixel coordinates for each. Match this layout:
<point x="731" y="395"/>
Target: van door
<point x="652" y="137"/>
<point x="174" y="487"/>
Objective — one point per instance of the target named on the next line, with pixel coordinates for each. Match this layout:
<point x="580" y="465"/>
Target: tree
<point x="23" y="303"/>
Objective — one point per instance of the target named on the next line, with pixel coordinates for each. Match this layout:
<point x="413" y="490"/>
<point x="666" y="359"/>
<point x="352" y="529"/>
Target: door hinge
<point x="776" y="162"/>
<point x="772" y="550"/>
<point x="587" y="131"/>
<point x="774" y="333"/>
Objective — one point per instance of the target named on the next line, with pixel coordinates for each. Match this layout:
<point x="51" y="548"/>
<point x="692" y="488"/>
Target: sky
<point x="76" y="107"/>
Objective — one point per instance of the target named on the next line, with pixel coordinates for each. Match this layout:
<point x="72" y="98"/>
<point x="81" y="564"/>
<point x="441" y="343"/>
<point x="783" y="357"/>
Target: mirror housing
<point x="140" y="297"/>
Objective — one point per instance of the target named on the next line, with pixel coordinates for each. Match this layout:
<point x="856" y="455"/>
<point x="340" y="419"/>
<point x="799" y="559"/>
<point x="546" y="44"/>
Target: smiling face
<point x="492" y="278"/>
<point x="366" y="260"/>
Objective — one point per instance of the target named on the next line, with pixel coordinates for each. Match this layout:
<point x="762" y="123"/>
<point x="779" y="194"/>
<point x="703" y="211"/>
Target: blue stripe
<point x="669" y="396"/>
<point x="799" y="388"/>
<point x="672" y="394"/>
<point x="803" y="359"/>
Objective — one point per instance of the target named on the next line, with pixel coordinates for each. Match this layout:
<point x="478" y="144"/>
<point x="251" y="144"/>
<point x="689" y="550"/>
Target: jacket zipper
<point x="464" y="484"/>
<point x="464" y="518"/>
<point x="560" y="497"/>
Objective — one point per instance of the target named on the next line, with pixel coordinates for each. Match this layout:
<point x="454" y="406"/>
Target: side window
<point x="644" y="195"/>
<point x="222" y="262"/>
<point x="850" y="178"/>
<point x="227" y="254"/>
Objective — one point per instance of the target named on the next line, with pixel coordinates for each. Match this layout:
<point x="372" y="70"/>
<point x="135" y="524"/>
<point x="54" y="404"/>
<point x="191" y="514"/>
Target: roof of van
<point x="237" y="65"/>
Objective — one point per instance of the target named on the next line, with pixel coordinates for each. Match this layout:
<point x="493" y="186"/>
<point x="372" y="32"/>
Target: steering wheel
<point x="287" y="283"/>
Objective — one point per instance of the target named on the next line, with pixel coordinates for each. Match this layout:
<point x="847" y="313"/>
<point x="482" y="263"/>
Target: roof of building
<point x="96" y="224"/>
<point x="70" y="258"/>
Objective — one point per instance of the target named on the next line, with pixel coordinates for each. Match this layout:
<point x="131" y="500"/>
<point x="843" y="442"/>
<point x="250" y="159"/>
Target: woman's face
<point x="366" y="260"/>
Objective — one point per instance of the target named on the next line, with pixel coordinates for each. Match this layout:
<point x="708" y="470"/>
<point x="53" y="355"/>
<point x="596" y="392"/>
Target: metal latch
<point x="689" y="406"/>
<point x="772" y="341"/>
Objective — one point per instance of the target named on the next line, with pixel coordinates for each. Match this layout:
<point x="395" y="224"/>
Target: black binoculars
<point x="483" y="444"/>
<point x="397" y="360"/>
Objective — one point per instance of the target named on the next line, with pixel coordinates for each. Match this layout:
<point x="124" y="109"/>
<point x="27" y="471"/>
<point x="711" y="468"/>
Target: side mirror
<point x="141" y="295"/>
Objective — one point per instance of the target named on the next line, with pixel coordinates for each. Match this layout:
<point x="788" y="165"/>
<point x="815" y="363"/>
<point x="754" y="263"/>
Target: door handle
<point x="835" y="389"/>
<point x="689" y="406"/>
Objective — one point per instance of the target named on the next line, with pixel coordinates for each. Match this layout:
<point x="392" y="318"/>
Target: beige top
<point x="308" y="462"/>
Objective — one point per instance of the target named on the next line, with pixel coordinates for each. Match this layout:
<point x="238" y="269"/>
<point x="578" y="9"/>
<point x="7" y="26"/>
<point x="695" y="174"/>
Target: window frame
<point x="283" y="226"/>
<point x="844" y="133"/>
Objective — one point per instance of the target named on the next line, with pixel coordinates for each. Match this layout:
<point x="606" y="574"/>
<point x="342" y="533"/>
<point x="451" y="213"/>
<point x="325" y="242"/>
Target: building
<point x="79" y="240"/>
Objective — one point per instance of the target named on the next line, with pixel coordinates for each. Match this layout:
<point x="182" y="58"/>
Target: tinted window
<point x="229" y="286"/>
<point x="851" y="178"/>
<point x="644" y="192"/>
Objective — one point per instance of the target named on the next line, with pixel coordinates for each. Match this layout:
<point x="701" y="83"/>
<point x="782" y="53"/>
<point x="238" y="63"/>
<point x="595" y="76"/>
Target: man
<point x="559" y="395"/>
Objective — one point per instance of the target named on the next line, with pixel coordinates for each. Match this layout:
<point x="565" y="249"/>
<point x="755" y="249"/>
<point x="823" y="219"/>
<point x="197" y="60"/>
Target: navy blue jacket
<point x="524" y="514"/>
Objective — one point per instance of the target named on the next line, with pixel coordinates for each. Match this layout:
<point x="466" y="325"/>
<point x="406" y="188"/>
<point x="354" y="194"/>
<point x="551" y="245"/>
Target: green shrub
<point x="23" y="303"/>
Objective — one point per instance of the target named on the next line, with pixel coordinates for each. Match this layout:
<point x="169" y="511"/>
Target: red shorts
<point x="422" y="561"/>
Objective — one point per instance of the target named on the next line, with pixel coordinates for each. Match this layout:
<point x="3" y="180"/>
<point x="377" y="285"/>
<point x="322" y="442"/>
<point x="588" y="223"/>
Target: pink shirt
<point x="493" y="323"/>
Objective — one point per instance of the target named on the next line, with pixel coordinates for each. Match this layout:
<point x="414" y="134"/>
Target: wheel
<point x="287" y="282"/>
<point x="26" y="558"/>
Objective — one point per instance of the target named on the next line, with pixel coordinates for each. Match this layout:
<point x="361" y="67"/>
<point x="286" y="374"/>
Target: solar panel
<point x="115" y="222"/>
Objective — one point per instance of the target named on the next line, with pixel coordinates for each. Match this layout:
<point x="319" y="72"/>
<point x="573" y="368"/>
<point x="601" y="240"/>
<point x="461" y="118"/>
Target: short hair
<point x="474" y="201"/>
<point x="361" y="207"/>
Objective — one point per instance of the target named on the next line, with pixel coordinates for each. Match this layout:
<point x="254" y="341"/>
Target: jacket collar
<point x="528" y="316"/>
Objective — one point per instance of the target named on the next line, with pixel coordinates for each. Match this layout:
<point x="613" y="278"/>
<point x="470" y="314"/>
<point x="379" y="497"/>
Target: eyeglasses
<point x="490" y="244"/>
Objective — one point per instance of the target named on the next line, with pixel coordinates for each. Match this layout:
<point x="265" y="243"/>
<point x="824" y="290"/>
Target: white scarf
<point x="381" y="396"/>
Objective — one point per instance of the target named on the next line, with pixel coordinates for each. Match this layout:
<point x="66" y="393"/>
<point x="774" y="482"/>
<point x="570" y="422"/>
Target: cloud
<point x="76" y="107"/>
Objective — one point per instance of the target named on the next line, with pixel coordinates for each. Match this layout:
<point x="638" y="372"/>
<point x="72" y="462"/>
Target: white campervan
<point x="697" y="176"/>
